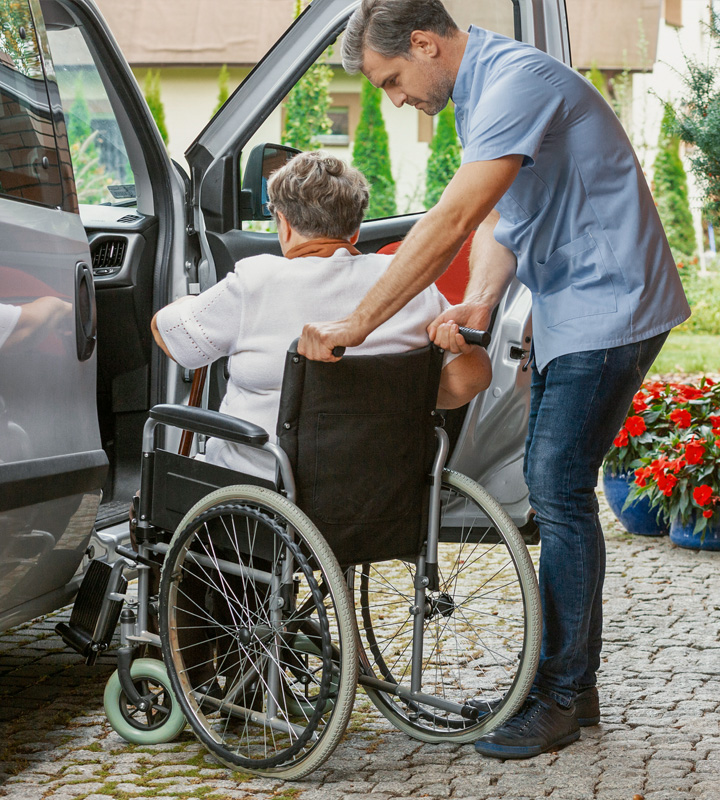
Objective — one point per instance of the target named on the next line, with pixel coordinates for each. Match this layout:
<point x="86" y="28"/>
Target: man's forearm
<point x="492" y="266"/>
<point x="432" y="244"/>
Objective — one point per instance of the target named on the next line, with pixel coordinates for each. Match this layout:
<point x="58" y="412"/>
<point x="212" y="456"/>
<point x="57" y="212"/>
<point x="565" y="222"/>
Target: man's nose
<point x="397" y="97"/>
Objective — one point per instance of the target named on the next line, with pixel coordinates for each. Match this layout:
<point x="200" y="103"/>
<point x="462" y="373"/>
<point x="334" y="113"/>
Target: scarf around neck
<point x="322" y="248"/>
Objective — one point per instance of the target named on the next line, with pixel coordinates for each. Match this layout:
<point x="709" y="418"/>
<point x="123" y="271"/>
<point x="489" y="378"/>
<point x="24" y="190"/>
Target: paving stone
<point x="659" y="737"/>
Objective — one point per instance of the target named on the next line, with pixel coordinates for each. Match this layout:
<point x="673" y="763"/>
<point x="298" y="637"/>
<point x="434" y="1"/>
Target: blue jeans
<point x="577" y="406"/>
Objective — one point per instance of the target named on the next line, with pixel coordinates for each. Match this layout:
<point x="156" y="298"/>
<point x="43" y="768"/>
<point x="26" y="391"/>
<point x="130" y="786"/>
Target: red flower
<point x="707" y="513"/>
<point x="621" y="439"/>
<point x="641" y="475"/>
<point x="702" y="494"/>
<point x="694" y="452"/>
<point x="709" y="382"/>
<point x="676" y="464"/>
<point x="639" y="404"/>
<point x="681" y="417"/>
<point x="686" y="392"/>
<point x="635" y="425"/>
<point x="715" y="422"/>
<point x="666" y="483"/>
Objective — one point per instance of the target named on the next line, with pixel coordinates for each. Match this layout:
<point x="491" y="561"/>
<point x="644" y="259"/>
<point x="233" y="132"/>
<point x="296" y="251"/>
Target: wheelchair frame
<point x="149" y="702"/>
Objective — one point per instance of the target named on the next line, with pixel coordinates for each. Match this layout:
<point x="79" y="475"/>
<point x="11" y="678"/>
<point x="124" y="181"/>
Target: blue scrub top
<point x="579" y="216"/>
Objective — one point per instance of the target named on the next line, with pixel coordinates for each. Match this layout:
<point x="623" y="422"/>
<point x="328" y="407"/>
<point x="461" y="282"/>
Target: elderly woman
<point x="254" y="313"/>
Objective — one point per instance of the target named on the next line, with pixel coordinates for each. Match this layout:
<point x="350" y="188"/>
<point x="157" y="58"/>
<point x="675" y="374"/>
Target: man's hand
<point x="319" y="338"/>
<point x="448" y="337"/>
<point x="467" y="314"/>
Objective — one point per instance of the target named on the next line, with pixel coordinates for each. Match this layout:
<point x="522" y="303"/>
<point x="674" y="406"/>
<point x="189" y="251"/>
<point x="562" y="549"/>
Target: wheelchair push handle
<point x="470" y="335"/>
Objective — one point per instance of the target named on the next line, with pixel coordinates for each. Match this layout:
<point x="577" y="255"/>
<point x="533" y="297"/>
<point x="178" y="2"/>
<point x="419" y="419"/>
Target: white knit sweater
<point x="255" y="313"/>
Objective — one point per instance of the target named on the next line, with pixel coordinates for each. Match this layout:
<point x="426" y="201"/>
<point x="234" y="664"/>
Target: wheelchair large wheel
<point x="482" y="625"/>
<point x="258" y="633"/>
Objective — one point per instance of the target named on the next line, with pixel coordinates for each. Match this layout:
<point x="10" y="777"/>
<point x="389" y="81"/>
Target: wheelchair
<point x="366" y="562"/>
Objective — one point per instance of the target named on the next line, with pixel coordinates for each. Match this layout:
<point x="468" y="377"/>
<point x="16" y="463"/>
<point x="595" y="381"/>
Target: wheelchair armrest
<point x="211" y="423"/>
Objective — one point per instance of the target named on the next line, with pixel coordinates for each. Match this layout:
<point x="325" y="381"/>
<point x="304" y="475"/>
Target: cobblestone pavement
<point x="659" y="738"/>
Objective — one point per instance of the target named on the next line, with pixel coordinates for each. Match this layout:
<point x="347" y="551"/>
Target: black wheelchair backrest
<point x="359" y="434"/>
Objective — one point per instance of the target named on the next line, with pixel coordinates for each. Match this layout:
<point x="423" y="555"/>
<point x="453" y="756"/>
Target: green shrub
<point x="307" y="105"/>
<point x="151" y="90"/>
<point x="703" y="294"/>
<point x="444" y="158"/>
<point x="371" y="154"/>
<point x="671" y="192"/>
<point x="223" y="88"/>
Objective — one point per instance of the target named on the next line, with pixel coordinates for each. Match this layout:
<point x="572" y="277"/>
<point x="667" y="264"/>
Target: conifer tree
<point x="223" y="88"/>
<point x="307" y="105"/>
<point x="371" y="154"/>
<point x="151" y="90"/>
<point x="671" y="192"/>
<point x="444" y="156"/>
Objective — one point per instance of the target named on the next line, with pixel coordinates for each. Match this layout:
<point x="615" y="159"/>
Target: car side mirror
<point x="264" y="159"/>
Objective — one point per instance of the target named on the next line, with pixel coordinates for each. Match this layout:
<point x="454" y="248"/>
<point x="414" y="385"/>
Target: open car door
<point x="489" y="433"/>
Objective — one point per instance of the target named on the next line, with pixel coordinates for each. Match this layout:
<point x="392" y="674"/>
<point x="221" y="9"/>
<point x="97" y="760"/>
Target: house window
<point x="673" y="13"/>
<point x="340" y="134"/>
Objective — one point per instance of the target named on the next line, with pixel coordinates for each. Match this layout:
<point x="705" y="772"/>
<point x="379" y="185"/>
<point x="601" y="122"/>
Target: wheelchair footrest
<point x="92" y="603"/>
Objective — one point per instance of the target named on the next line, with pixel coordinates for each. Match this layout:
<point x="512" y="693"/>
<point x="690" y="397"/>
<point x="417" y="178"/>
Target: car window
<point x="100" y="161"/>
<point x="394" y="147"/>
<point x="29" y="164"/>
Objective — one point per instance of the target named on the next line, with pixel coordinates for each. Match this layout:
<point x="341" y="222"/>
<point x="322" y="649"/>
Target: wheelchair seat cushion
<point x="360" y="437"/>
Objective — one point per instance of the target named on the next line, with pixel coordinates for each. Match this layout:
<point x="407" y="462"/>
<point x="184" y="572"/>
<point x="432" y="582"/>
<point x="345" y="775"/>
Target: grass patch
<point x="688" y="353"/>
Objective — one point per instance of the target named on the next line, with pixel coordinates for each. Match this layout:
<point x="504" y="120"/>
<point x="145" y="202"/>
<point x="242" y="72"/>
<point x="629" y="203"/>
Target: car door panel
<point x="51" y="462"/>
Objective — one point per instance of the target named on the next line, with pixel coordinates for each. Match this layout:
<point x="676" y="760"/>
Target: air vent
<point x="109" y="254"/>
<point x="129" y="218"/>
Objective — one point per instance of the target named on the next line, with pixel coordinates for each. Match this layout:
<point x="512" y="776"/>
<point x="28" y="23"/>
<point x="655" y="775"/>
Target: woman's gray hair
<point x="319" y="195"/>
<point x="385" y="26"/>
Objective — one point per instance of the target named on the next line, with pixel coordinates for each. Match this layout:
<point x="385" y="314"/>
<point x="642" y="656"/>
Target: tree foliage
<point x="151" y="90"/>
<point x="371" y="153"/>
<point x="670" y="189"/>
<point x="14" y="16"/>
<point x="444" y="157"/>
<point x="307" y="105"/>
<point x="596" y="76"/>
<point x="697" y="122"/>
<point x="223" y="88"/>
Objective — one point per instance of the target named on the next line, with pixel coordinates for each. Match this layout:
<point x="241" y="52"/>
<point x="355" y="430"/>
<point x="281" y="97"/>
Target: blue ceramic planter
<point x="636" y="518"/>
<point x="683" y="536"/>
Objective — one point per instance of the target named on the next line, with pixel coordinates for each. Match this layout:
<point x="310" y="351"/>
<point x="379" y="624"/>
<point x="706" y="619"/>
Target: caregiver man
<point x="551" y="184"/>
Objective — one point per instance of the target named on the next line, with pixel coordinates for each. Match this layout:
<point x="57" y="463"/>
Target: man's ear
<point x="355" y="236"/>
<point x="425" y="43"/>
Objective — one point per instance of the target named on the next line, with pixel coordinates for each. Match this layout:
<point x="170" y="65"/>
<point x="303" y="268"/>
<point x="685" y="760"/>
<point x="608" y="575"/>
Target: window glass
<point x="100" y="162"/>
<point x="392" y="146"/>
<point x="28" y="156"/>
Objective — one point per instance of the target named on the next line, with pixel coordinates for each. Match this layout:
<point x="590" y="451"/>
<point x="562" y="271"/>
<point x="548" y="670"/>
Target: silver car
<point x="79" y="282"/>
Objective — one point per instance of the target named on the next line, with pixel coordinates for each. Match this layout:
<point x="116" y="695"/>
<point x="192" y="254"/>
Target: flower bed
<point x="671" y="442"/>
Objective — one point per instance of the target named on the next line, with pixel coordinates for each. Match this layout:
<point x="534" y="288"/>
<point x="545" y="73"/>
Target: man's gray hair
<point x="385" y="26"/>
<point x="319" y="195"/>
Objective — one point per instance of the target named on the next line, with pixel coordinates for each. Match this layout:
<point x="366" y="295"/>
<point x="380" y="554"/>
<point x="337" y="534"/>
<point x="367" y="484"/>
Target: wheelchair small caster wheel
<point x="161" y="721"/>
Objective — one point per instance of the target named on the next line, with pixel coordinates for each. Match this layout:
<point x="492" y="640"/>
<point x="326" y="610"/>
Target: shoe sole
<point x="510" y="752"/>
<point x="587" y="722"/>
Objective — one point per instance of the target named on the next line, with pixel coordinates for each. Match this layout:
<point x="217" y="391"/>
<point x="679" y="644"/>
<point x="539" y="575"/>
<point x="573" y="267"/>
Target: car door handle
<point x="85" y="311"/>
